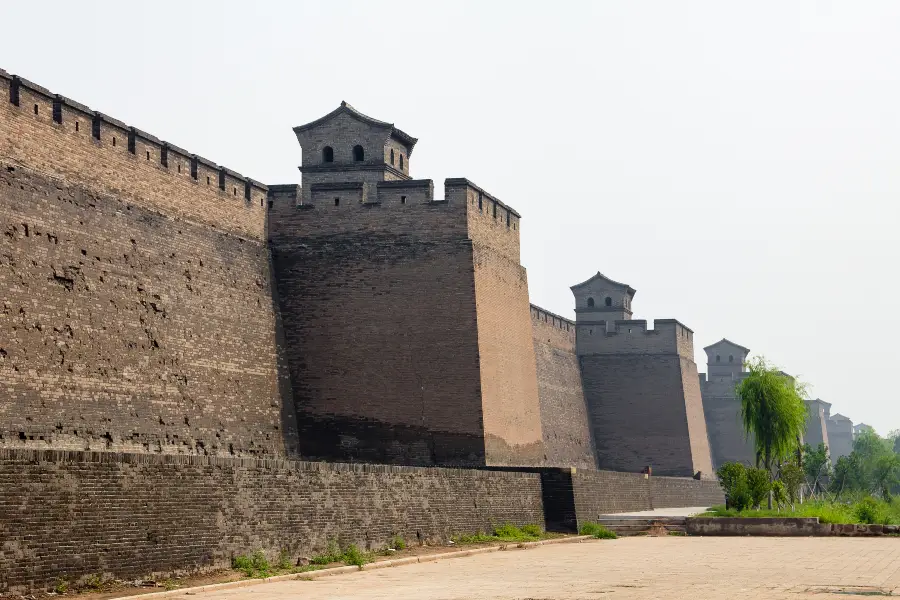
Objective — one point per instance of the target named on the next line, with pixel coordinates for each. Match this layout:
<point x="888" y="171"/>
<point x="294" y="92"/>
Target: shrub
<point x="61" y="586"/>
<point x="332" y="554"/>
<point x="758" y="485"/>
<point x="354" y="556"/>
<point x="598" y="531"/>
<point x="866" y="510"/>
<point x="733" y="477"/>
<point x="791" y="477"/>
<point x="397" y="543"/>
<point x="532" y="530"/>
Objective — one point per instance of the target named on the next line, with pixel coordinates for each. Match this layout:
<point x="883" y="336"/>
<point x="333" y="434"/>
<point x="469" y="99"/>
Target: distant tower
<point x="724" y="371"/>
<point x="640" y="385"/>
<point x="602" y="299"/>
<point x="840" y="434"/>
<point x="817" y="423"/>
<point x="348" y="146"/>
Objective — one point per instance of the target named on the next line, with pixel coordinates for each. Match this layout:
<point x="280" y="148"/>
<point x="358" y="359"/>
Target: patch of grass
<point x="256" y="565"/>
<point x="61" y="586"/>
<point x="351" y="555"/>
<point x="332" y="554"/>
<point x="598" y="531"/>
<point x="864" y="510"/>
<point x="677" y="533"/>
<point x="506" y="532"/>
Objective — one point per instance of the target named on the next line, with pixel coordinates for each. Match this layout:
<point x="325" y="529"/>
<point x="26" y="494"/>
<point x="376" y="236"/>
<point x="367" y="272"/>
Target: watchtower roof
<point x="820" y="401"/>
<point x="631" y="291"/>
<point x="345" y="108"/>
<point x="839" y="417"/>
<point x="729" y="342"/>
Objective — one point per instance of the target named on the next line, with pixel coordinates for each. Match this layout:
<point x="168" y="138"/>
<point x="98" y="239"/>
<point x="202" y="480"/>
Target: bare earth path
<point x="690" y="568"/>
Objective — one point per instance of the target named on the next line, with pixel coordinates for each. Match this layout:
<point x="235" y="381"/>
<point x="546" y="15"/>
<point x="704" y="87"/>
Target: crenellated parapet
<point x="666" y="336"/>
<point x="58" y="136"/>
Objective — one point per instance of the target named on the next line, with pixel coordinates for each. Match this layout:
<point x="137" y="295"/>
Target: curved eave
<point x="600" y="275"/>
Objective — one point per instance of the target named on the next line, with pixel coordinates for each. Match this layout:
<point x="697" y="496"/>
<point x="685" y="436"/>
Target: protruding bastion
<point x="640" y="384"/>
<point x="406" y="318"/>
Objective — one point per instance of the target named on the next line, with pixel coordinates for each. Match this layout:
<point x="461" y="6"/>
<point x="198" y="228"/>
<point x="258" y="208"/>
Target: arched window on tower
<point x="730" y="358"/>
<point x="590" y="302"/>
<point x="401" y="162"/>
<point x="358" y="154"/>
<point x="327" y="154"/>
<point x="607" y="301"/>
<point x="392" y="157"/>
<point x="718" y="358"/>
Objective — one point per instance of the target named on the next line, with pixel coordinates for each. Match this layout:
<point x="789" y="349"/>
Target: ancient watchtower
<point x="407" y="326"/>
<point x="640" y="385"/>
<point x="724" y="371"/>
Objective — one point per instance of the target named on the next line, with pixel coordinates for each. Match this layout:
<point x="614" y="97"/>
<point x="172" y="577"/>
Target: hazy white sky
<point x="736" y="163"/>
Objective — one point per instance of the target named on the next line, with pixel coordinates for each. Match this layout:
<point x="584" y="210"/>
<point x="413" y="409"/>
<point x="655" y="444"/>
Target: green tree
<point x="886" y="474"/>
<point x="760" y="486"/>
<point x="816" y="466"/>
<point x="847" y="475"/>
<point x="773" y="411"/>
<point x="791" y="477"/>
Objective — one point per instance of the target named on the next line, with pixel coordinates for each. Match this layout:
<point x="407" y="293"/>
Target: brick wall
<point x="605" y="492"/>
<point x="30" y="136"/>
<point x="564" y="422"/>
<point x="378" y="305"/>
<point x="125" y="329"/>
<point x="638" y="410"/>
<point x="71" y="514"/>
<point x="678" y="491"/>
<point x="512" y="414"/>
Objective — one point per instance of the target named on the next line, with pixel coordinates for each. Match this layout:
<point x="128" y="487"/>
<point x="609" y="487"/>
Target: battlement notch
<point x="57" y="135"/>
<point x="632" y="336"/>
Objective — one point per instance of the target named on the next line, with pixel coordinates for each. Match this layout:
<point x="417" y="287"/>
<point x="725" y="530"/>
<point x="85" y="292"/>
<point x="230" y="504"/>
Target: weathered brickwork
<point x="668" y="492"/>
<point x="133" y="515"/>
<point x="107" y="156"/>
<point x="639" y="413"/>
<point x="124" y="329"/>
<point x="604" y="492"/>
<point x="564" y="421"/>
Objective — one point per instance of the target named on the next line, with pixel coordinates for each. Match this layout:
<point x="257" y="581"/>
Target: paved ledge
<point x="382" y="564"/>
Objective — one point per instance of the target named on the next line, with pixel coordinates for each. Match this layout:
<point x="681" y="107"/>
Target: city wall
<point x="564" y="420"/>
<point x="68" y="515"/>
<point x="643" y="396"/>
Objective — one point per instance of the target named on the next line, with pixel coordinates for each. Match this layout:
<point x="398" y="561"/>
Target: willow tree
<point x="773" y="412"/>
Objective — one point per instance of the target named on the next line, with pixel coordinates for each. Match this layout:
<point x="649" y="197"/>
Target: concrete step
<point x="625" y="526"/>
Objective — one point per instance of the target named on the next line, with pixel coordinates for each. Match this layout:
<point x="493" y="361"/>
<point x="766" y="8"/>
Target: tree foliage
<point x="816" y="466"/>
<point x="773" y="411"/>
<point x="872" y="467"/>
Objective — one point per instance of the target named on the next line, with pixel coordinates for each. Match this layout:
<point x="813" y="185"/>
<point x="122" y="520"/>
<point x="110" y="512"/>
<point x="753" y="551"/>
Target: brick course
<point x="133" y="515"/>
